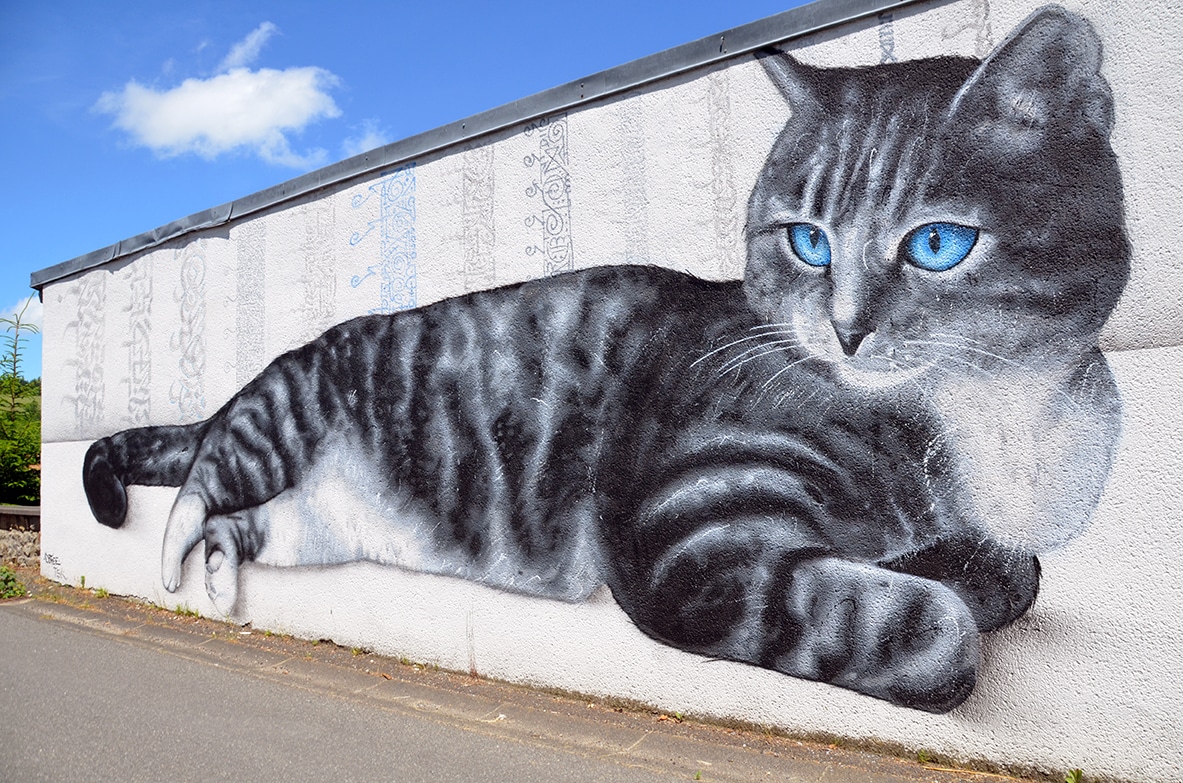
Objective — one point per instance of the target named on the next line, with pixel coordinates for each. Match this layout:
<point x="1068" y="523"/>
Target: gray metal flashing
<point x="779" y="28"/>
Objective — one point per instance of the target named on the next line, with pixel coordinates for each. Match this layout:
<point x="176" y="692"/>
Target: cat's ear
<point x="793" y="79"/>
<point x="1045" y="76"/>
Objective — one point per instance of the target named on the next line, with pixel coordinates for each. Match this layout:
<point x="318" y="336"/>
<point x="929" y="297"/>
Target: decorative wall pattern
<point x="188" y="390"/>
<point x="396" y="270"/>
<point x="633" y="199"/>
<point x="886" y="39"/>
<point x="318" y="281"/>
<point x="479" y="233"/>
<point x="90" y="350"/>
<point x="551" y="187"/>
<point x="139" y="343"/>
<point x="250" y="301"/>
<point x="727" y="215"/>
<point x="979" y="24"/>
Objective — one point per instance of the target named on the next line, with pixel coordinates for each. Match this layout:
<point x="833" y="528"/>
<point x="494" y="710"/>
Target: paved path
<point x="88" y="695"/>
<point x="82" y="706"/>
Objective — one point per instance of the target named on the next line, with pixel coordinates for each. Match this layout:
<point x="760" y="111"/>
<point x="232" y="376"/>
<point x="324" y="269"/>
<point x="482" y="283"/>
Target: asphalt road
<point x="113" y="690"/>
<point x="82" y="706"/>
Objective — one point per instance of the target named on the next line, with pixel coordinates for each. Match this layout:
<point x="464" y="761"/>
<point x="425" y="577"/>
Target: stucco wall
<point x="1091" y="676"/>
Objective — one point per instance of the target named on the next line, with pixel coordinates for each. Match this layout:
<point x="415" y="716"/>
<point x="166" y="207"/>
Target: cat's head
<point x="943" y="215"/>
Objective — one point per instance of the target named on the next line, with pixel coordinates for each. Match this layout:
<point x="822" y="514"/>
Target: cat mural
<point x="841" y="468"/>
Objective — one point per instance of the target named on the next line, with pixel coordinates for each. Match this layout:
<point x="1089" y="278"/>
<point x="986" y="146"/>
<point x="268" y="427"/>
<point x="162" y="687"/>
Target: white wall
<point x="1092" y="676"/>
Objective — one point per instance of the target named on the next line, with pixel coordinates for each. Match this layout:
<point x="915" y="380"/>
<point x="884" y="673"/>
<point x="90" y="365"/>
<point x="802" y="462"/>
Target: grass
<point x="10" y="586"/>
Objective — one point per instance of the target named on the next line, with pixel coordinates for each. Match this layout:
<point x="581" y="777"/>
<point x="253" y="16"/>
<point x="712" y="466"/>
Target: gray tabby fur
<point x="839" y="472"/>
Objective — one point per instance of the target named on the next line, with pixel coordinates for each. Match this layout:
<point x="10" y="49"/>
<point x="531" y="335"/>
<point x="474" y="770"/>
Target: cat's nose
<point x="850" y="338"/>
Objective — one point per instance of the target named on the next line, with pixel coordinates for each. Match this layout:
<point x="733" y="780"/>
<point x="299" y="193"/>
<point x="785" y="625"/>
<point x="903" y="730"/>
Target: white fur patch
<point x="1033" y="460"/>
<point x="341" y="512"/>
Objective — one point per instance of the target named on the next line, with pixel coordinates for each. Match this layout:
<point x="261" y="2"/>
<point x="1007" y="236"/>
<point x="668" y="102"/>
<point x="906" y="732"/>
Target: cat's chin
<point x="875" y="374"/>
<point x="877" y="379"/>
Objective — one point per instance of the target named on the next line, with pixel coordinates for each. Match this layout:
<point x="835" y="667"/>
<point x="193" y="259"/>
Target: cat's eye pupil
<point x="809" y="243"/>
<point x="936" y="247"/>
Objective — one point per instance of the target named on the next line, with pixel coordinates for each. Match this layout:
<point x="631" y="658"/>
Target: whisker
<point x="982" y="344"/>
<point x="753" y="357"/>
<point x="800" y="400"/>
<point x="781" y="372"/>
<point x="968" y="347"/>
<point x="964" y="363"/>
<point x="972" y="365"/>
<point x="732" y="344"/>
<point x="993" y="355"/>
<point x="744" y="356"/>
<point x="784" y="325"/>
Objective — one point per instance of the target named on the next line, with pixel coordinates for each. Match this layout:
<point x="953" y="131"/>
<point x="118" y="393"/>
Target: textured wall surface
<point x="1090" y="676"/>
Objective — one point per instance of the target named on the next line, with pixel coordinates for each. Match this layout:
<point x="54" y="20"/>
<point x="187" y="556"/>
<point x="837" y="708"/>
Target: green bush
<point x="20" y="477"/>
<point x="20" y="416"/>
<point x="10" y="586"/>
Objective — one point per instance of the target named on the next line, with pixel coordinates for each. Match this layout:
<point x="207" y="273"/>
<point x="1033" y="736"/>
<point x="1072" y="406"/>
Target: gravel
<point x="22" y="547"/>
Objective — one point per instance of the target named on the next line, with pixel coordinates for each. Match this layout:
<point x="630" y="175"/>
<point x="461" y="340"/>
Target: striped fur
<point x="840" y="473"/>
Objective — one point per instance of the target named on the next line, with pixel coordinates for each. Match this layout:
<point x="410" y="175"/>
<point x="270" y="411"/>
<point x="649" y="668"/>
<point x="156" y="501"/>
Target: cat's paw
<point x="230" y="539"/>
<point x="898" y="637"/>
<point x="997" y="583"/>
<point x="104" y="489"/>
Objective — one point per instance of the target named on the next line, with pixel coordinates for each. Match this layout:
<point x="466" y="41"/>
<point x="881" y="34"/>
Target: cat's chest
<point x="853" y="470"/>
<point x="1029" y="457"/>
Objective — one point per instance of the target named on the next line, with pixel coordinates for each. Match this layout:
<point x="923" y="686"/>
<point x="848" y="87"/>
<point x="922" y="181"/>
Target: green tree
<point x="20" y="417"/>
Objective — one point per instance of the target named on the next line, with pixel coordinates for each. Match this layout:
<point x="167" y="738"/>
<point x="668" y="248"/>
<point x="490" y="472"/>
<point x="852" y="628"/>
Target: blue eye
<point x="939" y="246"/>
<point x="810" y="244"/>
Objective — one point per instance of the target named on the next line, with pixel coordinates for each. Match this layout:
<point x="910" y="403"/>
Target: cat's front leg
<point x="283" y="532"/>
<point x="899" y="637"/>
<point x="230" y="539"/>
<point x="248" y="458"/>
<point x="745" y="596"/>
<point x="997" y="583"/>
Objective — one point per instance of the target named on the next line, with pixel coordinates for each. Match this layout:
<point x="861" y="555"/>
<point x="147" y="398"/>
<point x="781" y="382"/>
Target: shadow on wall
<point x="841" y="468"/>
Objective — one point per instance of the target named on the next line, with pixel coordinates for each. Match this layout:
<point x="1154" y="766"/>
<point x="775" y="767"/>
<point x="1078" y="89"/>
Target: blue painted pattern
<point x="396" y="269"/>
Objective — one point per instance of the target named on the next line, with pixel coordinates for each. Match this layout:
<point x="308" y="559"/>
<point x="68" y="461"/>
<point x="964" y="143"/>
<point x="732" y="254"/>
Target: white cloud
<point x="32" y="312"/>
<point x="240" y="109"/>
<point x="371" y="137"/>
<point x="247" y="50"/>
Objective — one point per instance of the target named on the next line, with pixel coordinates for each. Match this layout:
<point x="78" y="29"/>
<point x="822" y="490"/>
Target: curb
<point x="511" y="713"/>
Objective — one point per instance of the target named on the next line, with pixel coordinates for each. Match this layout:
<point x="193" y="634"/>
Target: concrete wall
<point x="1091" y="675"/>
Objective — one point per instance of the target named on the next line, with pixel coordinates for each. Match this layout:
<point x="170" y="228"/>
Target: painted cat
<point x="840" y="468"/>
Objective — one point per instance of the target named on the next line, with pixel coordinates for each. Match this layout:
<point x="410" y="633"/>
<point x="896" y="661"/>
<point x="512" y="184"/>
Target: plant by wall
<point x="10" y="586"/>
<point x="20" y="417"/>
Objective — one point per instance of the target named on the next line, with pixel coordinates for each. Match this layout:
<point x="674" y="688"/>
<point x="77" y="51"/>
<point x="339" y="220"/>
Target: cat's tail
<point x="152" y="456"/>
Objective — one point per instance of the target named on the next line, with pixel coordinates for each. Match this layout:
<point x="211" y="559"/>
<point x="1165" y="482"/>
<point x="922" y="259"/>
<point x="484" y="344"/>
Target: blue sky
<point x="121" y="117"/>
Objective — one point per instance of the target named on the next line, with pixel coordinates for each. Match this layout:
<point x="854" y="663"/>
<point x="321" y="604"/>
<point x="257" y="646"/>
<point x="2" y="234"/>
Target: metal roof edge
<point x="785" y="26"/>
